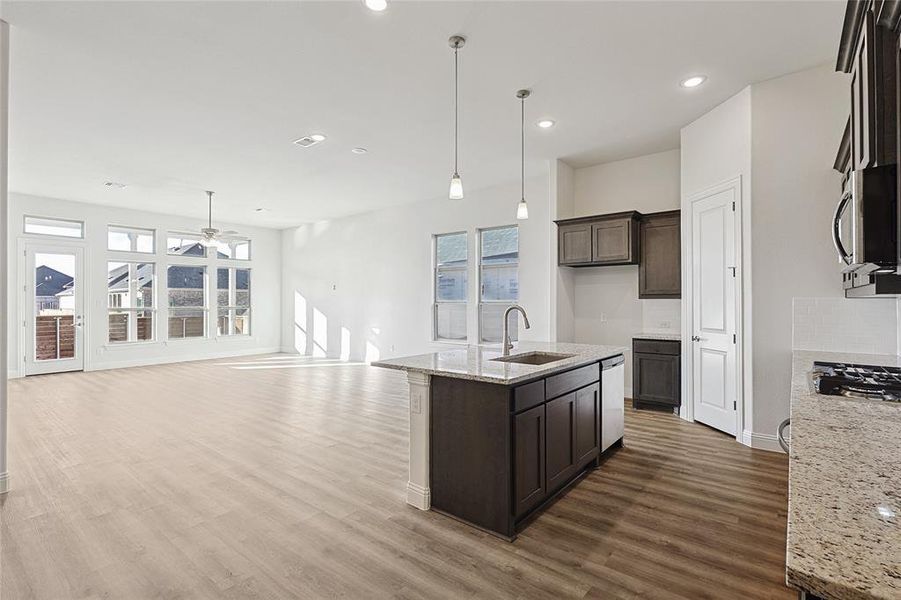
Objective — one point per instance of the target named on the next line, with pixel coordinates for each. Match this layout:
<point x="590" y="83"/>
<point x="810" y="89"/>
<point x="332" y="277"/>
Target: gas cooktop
<point x="857" y="381"/>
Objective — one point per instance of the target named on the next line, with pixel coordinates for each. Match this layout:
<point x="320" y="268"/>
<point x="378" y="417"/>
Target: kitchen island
<point x="494" y="438"/>
<point x="844" y="489"/>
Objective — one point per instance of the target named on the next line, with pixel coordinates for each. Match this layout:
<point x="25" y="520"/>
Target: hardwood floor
<point x="284" y="477"/>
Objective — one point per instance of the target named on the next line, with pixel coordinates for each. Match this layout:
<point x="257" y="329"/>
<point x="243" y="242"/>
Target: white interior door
<point x="714" y="349"/>
<point x="54" y="309"/>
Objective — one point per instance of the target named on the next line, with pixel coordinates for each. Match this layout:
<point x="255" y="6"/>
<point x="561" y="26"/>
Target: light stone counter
<point x="475" y="362"/>
<point x="844" y="501"/>
<point x="666" y="337"/>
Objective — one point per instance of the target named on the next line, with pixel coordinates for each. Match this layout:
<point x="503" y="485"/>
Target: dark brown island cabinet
<point x="652" y="241"/>
<point x="500" y="453"/>
<point x="656" y="374"/>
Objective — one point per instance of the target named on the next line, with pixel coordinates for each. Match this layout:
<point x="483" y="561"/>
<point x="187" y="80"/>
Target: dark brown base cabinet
<point x="499" y="453"/>
<point x="656" y="374"/>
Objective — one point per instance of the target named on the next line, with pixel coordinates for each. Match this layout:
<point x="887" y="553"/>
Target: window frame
<point x="81" y="226"/>
<point x="481" y="301"/>
<point x="131" y="332"/>
<point x="205" y="308"/>
<point x="436" y="302"/>
<point x="232" y="307"/>
<point x="132" y="240"/>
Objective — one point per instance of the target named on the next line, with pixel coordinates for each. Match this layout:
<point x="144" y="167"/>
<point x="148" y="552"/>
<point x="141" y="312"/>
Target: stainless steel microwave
<point x="865" y="232"/>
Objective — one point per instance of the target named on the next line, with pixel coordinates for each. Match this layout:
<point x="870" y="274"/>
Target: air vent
<point x="310" y="140"/>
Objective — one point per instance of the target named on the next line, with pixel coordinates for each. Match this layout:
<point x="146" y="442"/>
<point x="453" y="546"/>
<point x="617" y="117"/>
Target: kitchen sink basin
<point x="533" y="358"/>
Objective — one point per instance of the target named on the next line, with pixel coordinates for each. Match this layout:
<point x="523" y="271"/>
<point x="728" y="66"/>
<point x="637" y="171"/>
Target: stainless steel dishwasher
<point x="613" y="390"/>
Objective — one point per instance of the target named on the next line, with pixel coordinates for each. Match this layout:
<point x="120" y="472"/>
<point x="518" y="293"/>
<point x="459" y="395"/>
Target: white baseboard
<point x="760" y="441"/>
<point x="124" y="364"/>
<point x="419" y="496"/>
<point x="13" y="374"/>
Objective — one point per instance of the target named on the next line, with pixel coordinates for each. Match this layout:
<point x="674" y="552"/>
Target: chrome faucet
<point x="508" y="345"/>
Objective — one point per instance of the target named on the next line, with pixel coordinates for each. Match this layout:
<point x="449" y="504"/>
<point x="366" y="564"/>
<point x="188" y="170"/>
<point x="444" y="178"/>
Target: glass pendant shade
<point x="522" y="210"/>
<point x="456" y="188"/>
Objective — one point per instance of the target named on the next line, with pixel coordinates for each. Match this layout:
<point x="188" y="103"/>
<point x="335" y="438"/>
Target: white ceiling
<point x="176" y="97"/>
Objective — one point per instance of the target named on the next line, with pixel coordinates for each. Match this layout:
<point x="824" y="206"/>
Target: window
<point x="130" y="239"/>
<point x="451" y="279"/>
<point x="178" y="244"/>
<point x="187" y="301"/>
<point x="131" y="307"/>
<point x="499" y="281"/>
<point x="233" y="301"/>
<point x="57" y="227"/>
<point x="236" y="249"/>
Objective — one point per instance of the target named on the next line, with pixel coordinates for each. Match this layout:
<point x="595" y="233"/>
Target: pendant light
<point x="522" y="209"/>
<point x="456" y="184"/>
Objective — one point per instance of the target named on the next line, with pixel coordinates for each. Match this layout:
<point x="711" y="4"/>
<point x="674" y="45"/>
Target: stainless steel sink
<point x="533" y="358"/>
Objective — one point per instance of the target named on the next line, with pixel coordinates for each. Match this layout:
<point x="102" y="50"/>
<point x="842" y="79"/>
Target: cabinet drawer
<point x="557" y="385"/>
<point x="528" y="395"/>
<point x="656" y="347"/>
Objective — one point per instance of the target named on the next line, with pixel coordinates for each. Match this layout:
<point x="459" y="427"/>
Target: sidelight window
<point x="450" y="282"/>
<point x="498" y="280"/>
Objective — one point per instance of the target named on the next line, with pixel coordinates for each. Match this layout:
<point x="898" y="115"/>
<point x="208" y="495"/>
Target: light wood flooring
<point x="283" y="477"/>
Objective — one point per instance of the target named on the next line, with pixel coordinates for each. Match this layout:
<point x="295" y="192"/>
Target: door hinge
<point x="735" y="405"/>
<point x="733" y="338"/>
<point x="733" y="207"/>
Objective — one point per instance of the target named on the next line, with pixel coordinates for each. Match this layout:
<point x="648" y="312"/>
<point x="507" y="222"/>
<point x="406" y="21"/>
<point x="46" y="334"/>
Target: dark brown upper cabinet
<point x="600" y="240"/>
<point x="868" y="51"/>
<point x="660" y="267"/>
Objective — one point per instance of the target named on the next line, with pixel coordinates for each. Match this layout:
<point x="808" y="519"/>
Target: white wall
<point x="606" y="307"/>
<point x="562" y="278"/>
<point x="796" y="126"/>
<point x="99" y="354"/>
<point x="360" y="287"/>
<point x="716" y="148"/>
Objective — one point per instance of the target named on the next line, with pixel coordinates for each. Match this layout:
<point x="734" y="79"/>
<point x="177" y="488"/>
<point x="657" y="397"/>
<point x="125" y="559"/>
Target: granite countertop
<point x="474" y="362"/>
<point x="668" y="337"/>
<point x="844" y="500"/>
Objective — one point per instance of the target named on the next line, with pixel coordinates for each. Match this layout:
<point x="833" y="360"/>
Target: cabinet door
<point x="529" y="467"/>
<point x="660" y="267"/>
<point x="611" y="241"/>
<point x="574" y="244"/>
<point x="560" y="440"/>
<point x="656" y="378"/>
<point x="863" y="96"/>
<point x="587" y="413"/>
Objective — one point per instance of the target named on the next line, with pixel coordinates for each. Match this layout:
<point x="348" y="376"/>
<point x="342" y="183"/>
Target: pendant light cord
<point x="456" y="84"/>
<point x="522" y="145"/>
<point x="210" y="212"/>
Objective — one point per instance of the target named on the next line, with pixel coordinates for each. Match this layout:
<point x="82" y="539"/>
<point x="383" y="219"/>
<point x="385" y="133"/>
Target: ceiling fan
<point x="209" y="235"/>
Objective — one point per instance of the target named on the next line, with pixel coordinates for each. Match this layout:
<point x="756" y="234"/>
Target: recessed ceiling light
<point x="546" y="123"/>
<point x="318" y="137"/>
<point x="115" y="185"/>
<point x="359" y="150"/>
<point x="376" y="5"/>
<point x="259" y="210"/>
<point x="693" y="81"/>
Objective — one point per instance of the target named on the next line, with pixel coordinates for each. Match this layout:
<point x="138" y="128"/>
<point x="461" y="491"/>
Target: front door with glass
<point x="54" y="308"/>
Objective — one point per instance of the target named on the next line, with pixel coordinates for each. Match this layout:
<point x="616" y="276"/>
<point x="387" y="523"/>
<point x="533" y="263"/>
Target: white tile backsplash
<point x="866" y="325"/>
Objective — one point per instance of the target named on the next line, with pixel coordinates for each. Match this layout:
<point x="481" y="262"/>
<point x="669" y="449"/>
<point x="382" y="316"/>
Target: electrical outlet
<point x="603" y="318"/>
<point x="665" y="325"/>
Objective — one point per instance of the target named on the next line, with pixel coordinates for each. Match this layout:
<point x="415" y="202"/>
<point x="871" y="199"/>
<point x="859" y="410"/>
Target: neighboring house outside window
<point x="131" y="304"/>
<point x="233" y="301"/>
